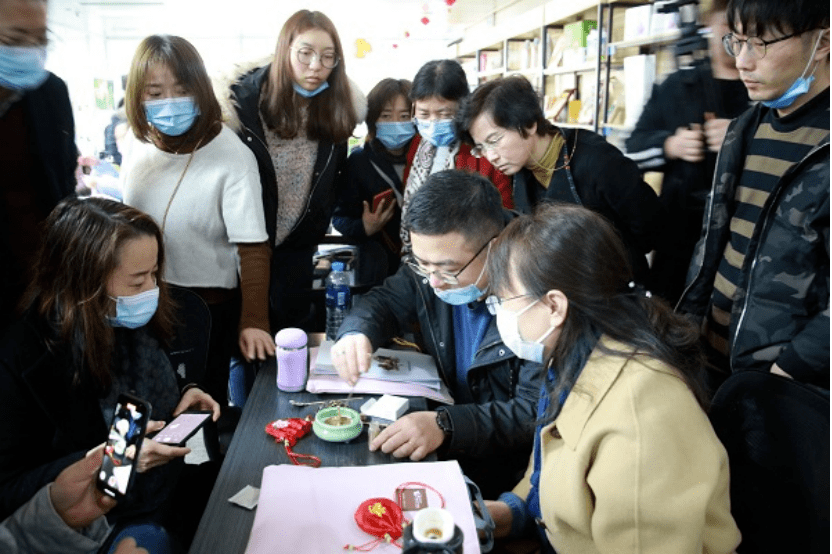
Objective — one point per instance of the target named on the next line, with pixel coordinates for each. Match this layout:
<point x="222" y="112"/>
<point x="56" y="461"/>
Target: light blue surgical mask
<point x="439" y="132"/>
<point x="462" y="295"/>
<point x="394" y="134"/>
<point x="135" y="311"/>
<point x="310" y="93"/>
<point x="22" y="67"/>
<point x="172" y="116"/>
<point x="799" y="87"/>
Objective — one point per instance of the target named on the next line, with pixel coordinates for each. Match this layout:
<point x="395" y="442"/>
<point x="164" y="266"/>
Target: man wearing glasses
<point x="452" y="220"/>
<point x="760" y="277"/>
<point x="38" y="154"/>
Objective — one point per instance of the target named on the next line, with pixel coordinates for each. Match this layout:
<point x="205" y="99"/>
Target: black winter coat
<point x="493" y="436"/>
<point x="599" y="177"/>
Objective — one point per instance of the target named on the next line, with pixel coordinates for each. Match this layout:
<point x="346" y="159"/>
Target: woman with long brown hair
<point x="100" y="322"/>
<point x="201" y="185"/>
<point x="625" y="459"/>
<point x="296" y="114"/>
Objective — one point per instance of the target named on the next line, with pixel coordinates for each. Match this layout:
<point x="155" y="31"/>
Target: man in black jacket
<point x="38" y="157"/>
<point x="452" y="221"/>
<point x="679" y="133"/>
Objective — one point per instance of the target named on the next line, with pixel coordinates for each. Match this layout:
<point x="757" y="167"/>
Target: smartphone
<point x="183" y="427"/>
<point x="121" y="453"/>
<point x="385" y="195"/>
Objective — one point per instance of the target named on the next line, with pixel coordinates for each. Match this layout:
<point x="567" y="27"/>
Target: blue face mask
<point x="310" y="93"/>
<point x="438" y="132"/>
<point x="172" y="116"/>
<point x="135" y="311"/>
<point x="22" y="67"/>
<point x="394" y="134"/>
<point x="462" y="295"/>
<point x="798" y="88"/>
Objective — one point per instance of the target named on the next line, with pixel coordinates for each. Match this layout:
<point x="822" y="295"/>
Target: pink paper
<point x="304" y="509"/>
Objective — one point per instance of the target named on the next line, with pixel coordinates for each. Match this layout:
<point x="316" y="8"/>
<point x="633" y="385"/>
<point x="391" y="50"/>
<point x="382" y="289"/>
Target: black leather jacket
<point x="493" y="436"/>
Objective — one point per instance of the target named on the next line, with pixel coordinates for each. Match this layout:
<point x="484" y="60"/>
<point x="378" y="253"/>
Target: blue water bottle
<point x="338" y="299"/>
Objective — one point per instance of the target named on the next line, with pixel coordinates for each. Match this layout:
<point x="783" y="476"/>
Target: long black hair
<point x="577" y="251"/>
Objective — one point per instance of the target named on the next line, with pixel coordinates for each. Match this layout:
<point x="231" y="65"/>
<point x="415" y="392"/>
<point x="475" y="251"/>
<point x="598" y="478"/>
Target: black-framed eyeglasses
<point x="481" y="150"/>
<point x="493" y="301"/>
<point x="447" y="278"/>
<point x="305" y="56"/>
<point x="756" y="46"/>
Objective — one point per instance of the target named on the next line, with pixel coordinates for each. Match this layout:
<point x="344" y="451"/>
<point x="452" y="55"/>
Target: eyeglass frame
<point x="480" y="150"/>
<point x="727" y="39"/>
<point x="493" y="301"/>
<point x="447" y="278"/>
<point x="315" y="55"/>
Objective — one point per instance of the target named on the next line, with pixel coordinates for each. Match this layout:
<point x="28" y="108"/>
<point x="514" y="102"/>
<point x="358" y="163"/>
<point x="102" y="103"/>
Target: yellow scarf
<point x="544" y="168"/>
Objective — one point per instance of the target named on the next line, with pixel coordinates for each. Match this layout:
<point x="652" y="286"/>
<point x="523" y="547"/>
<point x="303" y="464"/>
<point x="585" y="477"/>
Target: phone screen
<point x="180" y="429"/>
<point x="122" y="450"/>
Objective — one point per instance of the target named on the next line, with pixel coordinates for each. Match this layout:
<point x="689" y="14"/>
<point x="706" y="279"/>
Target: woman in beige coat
<point x="625" y="459"/>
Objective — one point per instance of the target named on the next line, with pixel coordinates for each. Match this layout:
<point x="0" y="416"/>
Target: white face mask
<point x="508" y="325"/>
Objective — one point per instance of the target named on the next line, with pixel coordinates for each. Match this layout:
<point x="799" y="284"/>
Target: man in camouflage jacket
<point x="780" y="312"/>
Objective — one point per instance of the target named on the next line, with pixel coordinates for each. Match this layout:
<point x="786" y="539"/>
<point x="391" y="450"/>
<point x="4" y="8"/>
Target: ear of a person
<point x="558" y="306"/>
<point x="822" y="52"/>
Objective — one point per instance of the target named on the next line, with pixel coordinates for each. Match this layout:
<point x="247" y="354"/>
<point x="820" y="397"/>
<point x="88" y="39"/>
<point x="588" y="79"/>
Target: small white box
<point x="388" y="407"/>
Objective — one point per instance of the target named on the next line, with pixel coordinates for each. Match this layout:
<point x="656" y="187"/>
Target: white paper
<point x="304" y="509"/>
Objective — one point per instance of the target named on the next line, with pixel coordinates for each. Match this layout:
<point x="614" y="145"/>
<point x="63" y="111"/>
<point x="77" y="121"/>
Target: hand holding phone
<point x="124" y="442"/>
<point x="386" y="195"/>
<point x="183" y="427"/>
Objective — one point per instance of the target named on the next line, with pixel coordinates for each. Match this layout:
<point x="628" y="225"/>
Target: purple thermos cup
<point x="291" y="354"/>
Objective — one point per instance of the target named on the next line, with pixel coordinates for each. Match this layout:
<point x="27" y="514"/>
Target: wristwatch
<point x="443" y="420"/>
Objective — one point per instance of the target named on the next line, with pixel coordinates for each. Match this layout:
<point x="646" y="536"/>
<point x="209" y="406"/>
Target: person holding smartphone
<point x="67" y="516"/>
<point x="99" y="323"/>
<point x="369" y="209"/>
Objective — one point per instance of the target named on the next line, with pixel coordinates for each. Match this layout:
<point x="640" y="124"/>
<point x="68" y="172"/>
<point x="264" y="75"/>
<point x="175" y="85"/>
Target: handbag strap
<point x="179" y="182"/>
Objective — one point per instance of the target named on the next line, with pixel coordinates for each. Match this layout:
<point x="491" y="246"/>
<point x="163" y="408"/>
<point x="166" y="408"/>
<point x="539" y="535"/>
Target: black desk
<point x="225" y="527"/>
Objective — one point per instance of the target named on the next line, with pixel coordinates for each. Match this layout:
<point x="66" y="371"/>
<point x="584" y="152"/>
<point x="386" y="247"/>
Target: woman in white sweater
<point x="201" y="184"/>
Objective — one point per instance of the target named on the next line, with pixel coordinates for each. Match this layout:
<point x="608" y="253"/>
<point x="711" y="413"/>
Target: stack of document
<point x="415" y="375"/>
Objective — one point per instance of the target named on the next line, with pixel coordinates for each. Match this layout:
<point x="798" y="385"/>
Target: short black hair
<point x="444" y="78"/>
<point x="456" y="201"/>
<point x="511" y="102"/>
<point x="792" y="16"/>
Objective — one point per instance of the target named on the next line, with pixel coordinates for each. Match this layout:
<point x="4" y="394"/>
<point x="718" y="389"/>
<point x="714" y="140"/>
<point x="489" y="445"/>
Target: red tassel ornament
<point x="289" y="431"/>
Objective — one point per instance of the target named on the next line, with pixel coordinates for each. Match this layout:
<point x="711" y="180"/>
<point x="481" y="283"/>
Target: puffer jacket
<point x="241" y="104"/>
<point x="496" y="432"/>
<point x="781" y="308"/>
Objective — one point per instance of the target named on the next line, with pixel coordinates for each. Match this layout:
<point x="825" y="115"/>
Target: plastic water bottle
<point x="338" y="299"/>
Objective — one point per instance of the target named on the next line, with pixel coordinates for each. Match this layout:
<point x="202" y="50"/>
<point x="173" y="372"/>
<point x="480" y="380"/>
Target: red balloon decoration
<point x="450" y="2"/>
<point x="425" y="20"/>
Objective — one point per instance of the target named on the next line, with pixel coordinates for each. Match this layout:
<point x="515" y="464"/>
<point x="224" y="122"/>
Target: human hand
<point x="375" y="221"/>
<point x="257" y="343"/>
<point x="415" y="435"/>
<point x="686" y="144"/>
<point x="197" y="399"/>
<point x="715" y="130"/>
<point x="128" y="546"/>
<point x="154" y="454"/>
<point x="351" y="356"/>
<point x="74" y="494"/>
<point x="501" y="514"/>
<point x="777" y="371"/>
